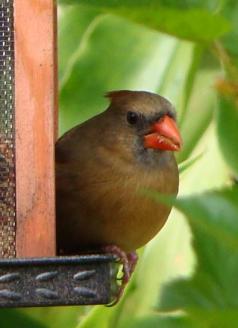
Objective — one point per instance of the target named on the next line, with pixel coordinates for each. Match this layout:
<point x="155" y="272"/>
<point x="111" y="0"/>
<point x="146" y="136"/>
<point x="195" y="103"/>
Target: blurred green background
<point x="187" y="51"/>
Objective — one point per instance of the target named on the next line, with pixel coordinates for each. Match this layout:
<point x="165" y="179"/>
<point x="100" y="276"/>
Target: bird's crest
<point x="121" y="95"/>
<point x="113" y="95"/>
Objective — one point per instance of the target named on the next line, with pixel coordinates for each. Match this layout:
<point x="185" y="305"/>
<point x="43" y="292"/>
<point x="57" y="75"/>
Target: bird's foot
<point x="132" y="258"/>
<point x="128" y="261"/>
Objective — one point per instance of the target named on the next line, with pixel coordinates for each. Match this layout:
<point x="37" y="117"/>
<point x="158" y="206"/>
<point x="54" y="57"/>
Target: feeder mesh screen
<point x="7" y="154"/>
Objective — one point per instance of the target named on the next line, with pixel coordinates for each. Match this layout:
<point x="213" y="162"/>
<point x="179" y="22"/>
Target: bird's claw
<point x="128" y="261"/>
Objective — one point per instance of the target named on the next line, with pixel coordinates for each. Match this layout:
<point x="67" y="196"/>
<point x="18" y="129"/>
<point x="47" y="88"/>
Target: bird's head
<point x="148" y="117"/>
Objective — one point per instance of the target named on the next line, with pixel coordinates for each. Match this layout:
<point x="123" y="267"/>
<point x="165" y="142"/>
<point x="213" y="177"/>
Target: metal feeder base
<point x="76" y="280"/>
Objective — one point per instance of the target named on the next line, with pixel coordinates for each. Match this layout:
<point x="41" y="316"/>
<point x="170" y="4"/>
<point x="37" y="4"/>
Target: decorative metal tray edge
<point x="75" y="280"/>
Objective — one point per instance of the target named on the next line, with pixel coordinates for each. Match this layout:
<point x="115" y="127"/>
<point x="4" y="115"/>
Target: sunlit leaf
<point x="198" y="115"/>
<point x="178" y="81"/>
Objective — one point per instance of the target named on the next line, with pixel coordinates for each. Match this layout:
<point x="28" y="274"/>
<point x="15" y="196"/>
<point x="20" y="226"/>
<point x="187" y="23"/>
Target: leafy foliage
<point x="209" y="296"/>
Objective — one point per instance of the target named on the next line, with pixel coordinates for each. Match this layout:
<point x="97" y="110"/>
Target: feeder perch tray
<point x="76" y="280"/>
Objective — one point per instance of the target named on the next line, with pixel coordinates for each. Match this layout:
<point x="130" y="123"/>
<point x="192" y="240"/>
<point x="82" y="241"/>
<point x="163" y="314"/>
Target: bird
<point x="103" y="164"/>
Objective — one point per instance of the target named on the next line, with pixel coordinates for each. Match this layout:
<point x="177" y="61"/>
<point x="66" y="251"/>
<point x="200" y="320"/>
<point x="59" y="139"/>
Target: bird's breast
<point x="107" y="205"/>
<point x="130" y="218"/>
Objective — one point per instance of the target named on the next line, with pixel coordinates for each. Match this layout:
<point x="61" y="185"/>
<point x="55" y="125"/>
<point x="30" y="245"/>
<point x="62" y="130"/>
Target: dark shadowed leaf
<point x="11" y="318"/>
<point x="192" y="24"/>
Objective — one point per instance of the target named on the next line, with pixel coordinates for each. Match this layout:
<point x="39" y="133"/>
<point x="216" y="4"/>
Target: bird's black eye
<point x="132" y="117"/>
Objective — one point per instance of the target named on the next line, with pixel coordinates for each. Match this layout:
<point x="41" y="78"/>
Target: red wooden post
<point x="35" y="108"/>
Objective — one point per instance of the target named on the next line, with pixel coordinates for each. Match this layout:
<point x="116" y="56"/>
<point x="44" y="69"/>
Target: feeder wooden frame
<point x="35" y="117"/>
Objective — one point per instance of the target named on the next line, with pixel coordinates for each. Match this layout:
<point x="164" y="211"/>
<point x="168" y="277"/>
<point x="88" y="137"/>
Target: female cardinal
<point x="101" y="167"/>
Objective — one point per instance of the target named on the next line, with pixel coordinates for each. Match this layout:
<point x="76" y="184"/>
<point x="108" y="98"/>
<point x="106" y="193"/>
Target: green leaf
<point x="227" y="131"/>
<point x="213" y="220"/>
<point x="178" y="80"/>
<point x="191" y="24"/>
<point x="215" y="213"/>
<point x="199" y="111"/>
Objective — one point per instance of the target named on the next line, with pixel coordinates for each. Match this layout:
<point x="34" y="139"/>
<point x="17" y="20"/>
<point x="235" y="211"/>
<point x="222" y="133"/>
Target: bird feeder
<point x="30" y="272"/>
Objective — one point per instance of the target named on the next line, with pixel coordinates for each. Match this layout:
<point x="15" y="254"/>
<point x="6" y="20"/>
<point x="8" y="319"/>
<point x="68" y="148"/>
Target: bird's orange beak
<point x="164" y="135"/>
